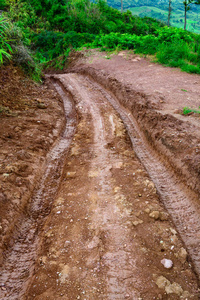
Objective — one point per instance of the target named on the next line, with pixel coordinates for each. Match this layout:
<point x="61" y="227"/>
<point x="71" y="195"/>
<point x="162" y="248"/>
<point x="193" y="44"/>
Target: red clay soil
<point x="31" y="118"/>
<point x="108" y="231"/>
<point x="156" y="96"/>
<point x="125" y="199"/>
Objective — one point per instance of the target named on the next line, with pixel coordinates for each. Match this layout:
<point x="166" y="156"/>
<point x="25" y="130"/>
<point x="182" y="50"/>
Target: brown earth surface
<point x="101" y="189"/>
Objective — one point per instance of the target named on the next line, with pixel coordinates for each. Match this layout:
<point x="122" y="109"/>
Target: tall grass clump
<point x="5" y="48"/>
<point x="17" y="44"/>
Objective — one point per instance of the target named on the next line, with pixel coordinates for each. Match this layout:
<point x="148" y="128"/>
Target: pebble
<point x="182" y="254"/>
<point x="135" y="223"/>
<point x="173" y="231"/>
<point x="41" y="105"/>
<point x="162" y="216"/>
<point x="67" y="243"/>
<point x="147" y="210"/>
<point x="167" y="263"/>
<point x="164" y="283"/>
<point x="174" y="288"/>
<point x="71" y="174"/>
<point x="154" y="214"/>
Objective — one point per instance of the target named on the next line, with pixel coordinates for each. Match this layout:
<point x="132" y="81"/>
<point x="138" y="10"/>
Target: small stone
<point x="137" y="222"/>
<point x="167" y="263"/>
<point x="5" y="175"/>
<point x="71" y="174"/>
<point x="173" y="231"/>
<point x="164" y="216"/>
<point x="174" y="288"/>
<point x="139" y="195"/>
<point x="162" y="282"/>
<point x="182" y="254"/>
<point x="67" y="243"/>
<point x="186" y="295"/>
<point x="41" y="105"/>
<point x="127" y="296"/>
<point x="147" y="210"/>
<point x="154" y="214"/>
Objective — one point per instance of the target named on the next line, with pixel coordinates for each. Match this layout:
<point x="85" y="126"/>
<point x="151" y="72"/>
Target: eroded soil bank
<point x="32" y="119"/>
<point x="108" y="231"/>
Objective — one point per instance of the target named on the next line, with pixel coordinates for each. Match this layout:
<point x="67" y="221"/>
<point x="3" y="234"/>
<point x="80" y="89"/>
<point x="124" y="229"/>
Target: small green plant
<point x="187" y="110"/>
<point x="183" y="90"/>
<point x="5" y="48"/>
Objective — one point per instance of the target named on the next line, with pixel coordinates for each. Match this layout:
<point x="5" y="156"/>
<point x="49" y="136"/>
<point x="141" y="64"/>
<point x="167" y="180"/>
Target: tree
<point x="169" y="12"/>
<point x="187" y="7"/>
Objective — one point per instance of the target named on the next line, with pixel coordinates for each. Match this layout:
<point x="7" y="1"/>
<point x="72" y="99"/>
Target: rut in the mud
<point x="107" y="231"/>
<point x="19" y="262"/>
<point x="181" y="203"/>
<point x="107" y="245"/>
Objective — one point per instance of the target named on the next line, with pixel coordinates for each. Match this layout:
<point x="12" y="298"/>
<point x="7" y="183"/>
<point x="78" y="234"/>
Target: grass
<point x="187" y="110"/>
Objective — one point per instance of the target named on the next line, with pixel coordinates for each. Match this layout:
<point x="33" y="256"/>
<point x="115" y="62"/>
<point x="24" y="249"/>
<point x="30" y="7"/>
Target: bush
<point x="172" y="35"/>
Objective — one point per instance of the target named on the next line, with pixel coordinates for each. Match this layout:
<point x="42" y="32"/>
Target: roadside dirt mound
<point x="31" y="118"/>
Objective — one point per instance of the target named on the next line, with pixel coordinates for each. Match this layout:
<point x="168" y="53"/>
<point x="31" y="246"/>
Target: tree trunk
<point x="185" y="23"/>
<point x="121" y="6"/>
<point x="169" y="12"/>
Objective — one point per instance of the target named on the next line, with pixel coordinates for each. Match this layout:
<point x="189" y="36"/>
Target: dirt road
<point x="100" y="231"/>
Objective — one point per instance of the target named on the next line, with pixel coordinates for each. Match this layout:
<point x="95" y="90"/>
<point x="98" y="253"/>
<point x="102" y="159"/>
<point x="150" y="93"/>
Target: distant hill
<point x="159" y="10"/>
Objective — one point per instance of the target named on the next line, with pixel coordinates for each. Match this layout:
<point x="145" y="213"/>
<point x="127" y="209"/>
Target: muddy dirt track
<point x="113" y="203"/>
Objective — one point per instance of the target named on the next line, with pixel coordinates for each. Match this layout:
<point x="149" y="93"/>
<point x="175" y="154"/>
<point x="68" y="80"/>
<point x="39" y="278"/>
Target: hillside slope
<point x="159" y="10"/>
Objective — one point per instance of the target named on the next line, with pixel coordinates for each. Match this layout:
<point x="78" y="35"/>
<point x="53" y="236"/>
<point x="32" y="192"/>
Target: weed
<point x="187" y="110"/>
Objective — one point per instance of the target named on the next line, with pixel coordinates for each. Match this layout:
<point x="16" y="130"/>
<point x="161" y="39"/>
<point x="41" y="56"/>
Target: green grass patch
<point x="187" y="110"/>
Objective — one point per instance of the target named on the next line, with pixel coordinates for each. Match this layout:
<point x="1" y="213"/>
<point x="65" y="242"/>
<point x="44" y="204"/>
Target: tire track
<point x="182" y="205"/>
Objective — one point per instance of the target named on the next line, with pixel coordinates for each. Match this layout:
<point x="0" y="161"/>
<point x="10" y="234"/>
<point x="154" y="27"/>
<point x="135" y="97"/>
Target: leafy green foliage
<point x="56" y="27"/>
<point x="5" y="48"/>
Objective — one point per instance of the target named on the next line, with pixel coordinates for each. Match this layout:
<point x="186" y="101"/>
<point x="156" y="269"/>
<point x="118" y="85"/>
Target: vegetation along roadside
<point x="39" y="33"/>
